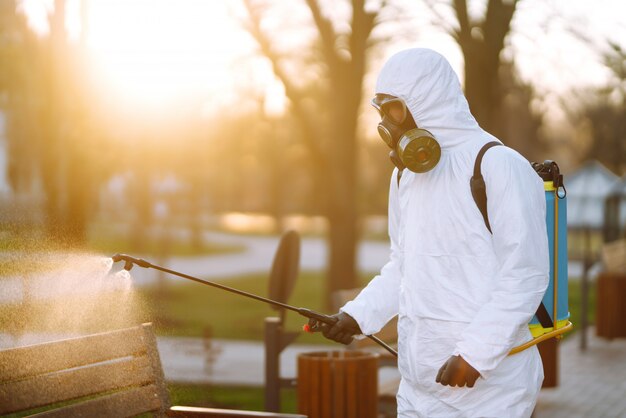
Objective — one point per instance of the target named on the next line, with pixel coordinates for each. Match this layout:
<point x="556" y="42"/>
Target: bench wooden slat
<point x="74" y="383"/>
<point x="122" y="404"/>
<point x="190" y="411"/>
<point x="155" y="363"/>
<point x="116" y="374"/>
<point x="37" y="359"/>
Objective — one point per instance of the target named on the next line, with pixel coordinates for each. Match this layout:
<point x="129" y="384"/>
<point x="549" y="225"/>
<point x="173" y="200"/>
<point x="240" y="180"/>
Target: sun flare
<point x="162" y="50"/>
<point x="154" y="52"/>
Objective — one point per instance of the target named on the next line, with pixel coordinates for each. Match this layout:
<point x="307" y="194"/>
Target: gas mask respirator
<point x="411" y="147"/>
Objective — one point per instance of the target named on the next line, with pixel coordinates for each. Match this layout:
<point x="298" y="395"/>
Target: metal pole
<point x="272" y="364"/>
<point x="584" y="291"/>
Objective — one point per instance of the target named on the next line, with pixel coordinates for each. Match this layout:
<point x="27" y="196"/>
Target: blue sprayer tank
<point x="556" y="225"/>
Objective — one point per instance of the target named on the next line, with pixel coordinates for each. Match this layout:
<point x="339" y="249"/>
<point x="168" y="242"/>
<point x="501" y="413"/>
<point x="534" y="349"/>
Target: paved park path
<point x="591" y="383"/>
<point x="258" y="255"/>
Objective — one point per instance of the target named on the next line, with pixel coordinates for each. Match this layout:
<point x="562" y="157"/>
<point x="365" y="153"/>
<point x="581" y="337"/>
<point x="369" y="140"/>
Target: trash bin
<point x="338" y="384"/>
<point x="611" y="305"/>
<point x="549" y="351"/>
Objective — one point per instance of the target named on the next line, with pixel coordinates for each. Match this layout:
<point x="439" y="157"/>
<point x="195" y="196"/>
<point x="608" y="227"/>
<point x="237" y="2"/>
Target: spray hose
<point x="130" y="261"/>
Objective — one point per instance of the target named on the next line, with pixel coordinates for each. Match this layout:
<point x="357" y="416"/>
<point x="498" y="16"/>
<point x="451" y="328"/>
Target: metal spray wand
<point x="308" y="313"/>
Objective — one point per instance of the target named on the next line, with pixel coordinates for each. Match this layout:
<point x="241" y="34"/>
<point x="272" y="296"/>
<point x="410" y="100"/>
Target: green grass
<point x="227" y="397"/>
<point x="575" y="302"/>
<point x="188" y="309"/>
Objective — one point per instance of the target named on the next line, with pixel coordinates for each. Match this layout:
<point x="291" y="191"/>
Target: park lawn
<point x="575" y="301"/>
<point x="192" y="309"/>
<point x="227" y="397"/>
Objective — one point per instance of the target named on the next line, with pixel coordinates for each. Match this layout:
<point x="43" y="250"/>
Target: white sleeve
<point x="517" y="210"/>
<point x="377" y="303"/>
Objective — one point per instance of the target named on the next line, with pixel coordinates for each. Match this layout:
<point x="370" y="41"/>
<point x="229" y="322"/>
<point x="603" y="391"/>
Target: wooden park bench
<point x="112" y="374"/>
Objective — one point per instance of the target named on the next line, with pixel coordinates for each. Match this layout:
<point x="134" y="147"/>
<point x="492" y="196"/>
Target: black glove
<point x="457" y="372"/>
<point x="342" y="331"/>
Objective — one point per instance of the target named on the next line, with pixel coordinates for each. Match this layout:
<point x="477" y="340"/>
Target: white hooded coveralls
<point x="456" y="288"/>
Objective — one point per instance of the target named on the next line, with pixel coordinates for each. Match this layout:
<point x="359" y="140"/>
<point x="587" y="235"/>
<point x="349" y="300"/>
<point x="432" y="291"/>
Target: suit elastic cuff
<point x="359" y="315"/>
<point x="475" y="364"/>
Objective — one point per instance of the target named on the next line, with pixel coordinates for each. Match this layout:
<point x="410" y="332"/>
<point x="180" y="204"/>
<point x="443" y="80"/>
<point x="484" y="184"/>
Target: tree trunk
<point x="79" y="193"/>
<point x="52" y="159"/>
<point x="481" y="44"/>
<point x="481" y="84"/>
<point x="343" y="213"/>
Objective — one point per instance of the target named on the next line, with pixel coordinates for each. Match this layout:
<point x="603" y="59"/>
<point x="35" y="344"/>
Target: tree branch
<point x="441" y="19"/>
<point x="464" y="33"/>
<point x="497" y="24"/>
<point x="327" y="34"/>
<point x="309" y="130"/>
<point x="363" y="23"/>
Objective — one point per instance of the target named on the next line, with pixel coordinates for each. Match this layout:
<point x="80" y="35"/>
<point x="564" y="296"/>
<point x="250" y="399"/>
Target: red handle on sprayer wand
<point x="308" y="313"/>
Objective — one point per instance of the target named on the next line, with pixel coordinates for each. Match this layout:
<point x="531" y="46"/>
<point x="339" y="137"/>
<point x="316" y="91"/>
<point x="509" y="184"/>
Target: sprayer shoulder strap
<point x="477" y="183"/>
<point x="479" y="193"/>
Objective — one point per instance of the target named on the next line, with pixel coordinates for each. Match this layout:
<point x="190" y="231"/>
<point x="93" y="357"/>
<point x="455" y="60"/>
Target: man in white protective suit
<point x="463" y="295"/>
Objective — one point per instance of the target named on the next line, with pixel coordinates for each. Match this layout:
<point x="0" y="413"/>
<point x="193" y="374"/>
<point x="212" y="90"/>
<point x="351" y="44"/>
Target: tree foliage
<point x="19" y="53"/>
<point x="49" y="137"/>
<point x="605" y="114"/>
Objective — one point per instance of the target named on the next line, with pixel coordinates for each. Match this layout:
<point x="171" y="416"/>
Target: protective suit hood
<point x="429" y="86"/>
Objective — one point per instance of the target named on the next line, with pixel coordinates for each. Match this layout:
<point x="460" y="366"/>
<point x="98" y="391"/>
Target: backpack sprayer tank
<point x="556" y="297"/>
<point x="555" y="300"/>
<point x="552" y="317"/>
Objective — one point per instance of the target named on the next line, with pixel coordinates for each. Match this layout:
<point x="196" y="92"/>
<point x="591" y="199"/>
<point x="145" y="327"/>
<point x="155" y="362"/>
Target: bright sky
<point x="150" y="52"/>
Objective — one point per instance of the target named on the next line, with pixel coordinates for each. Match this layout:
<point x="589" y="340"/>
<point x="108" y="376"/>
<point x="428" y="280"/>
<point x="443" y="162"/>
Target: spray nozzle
<point x="129" y="261"/>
